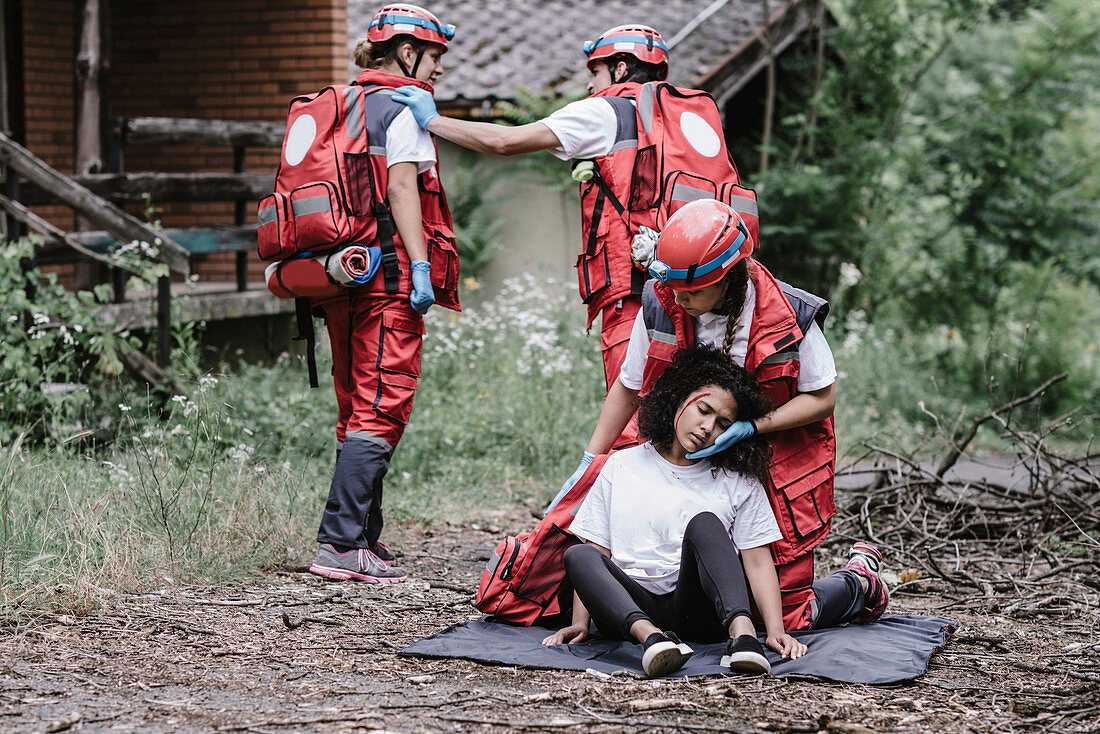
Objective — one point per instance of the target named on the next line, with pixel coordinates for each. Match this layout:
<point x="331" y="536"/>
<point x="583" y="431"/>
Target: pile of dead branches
<point x="1025" y="549"/>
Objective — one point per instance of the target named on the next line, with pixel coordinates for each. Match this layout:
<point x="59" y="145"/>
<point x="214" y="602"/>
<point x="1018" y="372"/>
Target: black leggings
<point x="710" y="592"/>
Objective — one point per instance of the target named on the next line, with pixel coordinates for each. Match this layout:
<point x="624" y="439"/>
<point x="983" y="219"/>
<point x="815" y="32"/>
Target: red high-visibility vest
<point x="800" y="482"/>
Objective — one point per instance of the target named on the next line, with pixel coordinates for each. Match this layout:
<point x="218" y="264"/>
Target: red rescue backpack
<point x="682" y="156"/>
<point x="525" y="579"/>
<point x="326" y="188"/>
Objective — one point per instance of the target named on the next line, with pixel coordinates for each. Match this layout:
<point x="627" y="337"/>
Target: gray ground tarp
<point x="893" y="649"/>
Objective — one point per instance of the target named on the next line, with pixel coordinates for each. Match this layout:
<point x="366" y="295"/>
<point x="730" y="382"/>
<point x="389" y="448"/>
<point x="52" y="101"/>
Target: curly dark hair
<point x="695" y="367"/>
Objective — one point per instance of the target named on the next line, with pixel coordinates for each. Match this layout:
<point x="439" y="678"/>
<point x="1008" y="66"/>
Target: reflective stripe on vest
<point x="744" y="205"/>
<point x="353" y="111"/>
<point x="685" y="193"/>
<point x="267" y="215"/>
<point x="647" y="97"/>
<point x="311" y="205"/>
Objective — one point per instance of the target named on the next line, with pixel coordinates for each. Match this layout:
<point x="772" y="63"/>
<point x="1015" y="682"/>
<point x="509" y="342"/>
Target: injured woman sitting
<point x="677" y="549"/>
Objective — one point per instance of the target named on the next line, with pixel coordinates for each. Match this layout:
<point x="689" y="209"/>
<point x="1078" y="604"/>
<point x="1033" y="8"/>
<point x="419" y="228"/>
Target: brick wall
<point x="212" y="59"/>
<point x="49" y="33"/>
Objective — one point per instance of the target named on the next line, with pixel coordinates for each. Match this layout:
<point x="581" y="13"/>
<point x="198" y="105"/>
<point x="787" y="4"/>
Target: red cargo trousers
<point x="376" y="343"/>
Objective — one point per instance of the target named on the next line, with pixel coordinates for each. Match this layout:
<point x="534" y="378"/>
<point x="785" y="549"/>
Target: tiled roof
<point x="537" y="43"/>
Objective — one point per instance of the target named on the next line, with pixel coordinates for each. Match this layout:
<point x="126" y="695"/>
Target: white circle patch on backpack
<point x="299" y="139"/>
<point x="700" y="134"/>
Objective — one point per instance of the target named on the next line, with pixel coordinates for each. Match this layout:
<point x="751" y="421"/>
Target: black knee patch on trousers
<point x="353" y="512"/>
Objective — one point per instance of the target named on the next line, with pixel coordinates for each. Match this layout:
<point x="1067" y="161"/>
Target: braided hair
<point x="737" y="280"/>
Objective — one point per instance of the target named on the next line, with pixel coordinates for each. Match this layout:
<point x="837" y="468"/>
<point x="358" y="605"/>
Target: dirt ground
<point x="291" y="652"/>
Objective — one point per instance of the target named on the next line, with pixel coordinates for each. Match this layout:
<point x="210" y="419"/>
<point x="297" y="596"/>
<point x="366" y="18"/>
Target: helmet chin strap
<point x="416" y="64"/>
<point x="419" y="56"/>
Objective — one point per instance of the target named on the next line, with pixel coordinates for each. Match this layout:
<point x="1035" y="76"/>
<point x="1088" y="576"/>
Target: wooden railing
<point x="96" y="199"/>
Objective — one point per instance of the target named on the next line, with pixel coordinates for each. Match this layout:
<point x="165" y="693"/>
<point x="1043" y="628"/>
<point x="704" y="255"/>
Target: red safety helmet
<point x="699" y="244"/>
<point x="640" y="41"/>
<point x="401" y="19"/>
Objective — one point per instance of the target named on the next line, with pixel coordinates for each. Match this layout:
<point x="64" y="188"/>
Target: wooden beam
<point x="57" y="237"/>
<point x="168" y="187"/>
<point x="163" y="187"/>
<point x="139" y="313"/>
<point x="89" y="116"/>
<point x="196" y="240"/>
<point x="221" y="133"/>
<point x="89" y="96"/>
<point x="86" y="204"/>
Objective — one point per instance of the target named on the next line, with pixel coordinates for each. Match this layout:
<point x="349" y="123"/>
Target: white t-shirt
<point x="816" y="369"/>
<point x="407" y="142"/>
<point x="585" y="128"/>
<point x="640" y="505"/>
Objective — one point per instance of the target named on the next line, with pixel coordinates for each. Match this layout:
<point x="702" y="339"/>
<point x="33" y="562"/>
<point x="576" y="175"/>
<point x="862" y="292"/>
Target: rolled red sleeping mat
<point x="323" y="275"/>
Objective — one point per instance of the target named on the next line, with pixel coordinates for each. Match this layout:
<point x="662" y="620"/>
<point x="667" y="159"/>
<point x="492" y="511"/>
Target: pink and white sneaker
<point x="866" y="560"/>
<point x="358" y="564"/>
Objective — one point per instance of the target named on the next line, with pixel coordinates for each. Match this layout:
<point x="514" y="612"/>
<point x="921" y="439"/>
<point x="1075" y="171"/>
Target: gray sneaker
<point x="354" y="565"/>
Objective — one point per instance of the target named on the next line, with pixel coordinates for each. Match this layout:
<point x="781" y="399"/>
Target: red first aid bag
<point x="525" y="579"/>
<point x="327" y="185"/>
<point x="682" y="156"/>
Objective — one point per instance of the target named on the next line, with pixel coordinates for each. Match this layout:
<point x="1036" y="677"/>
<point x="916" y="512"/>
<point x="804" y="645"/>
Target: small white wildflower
<point x="849" y="274"/>
<point x="248" y="432"/>
<point x="177" y="430"/>
<point x="261" y="469"/>
<point x="124" y="407"/>
<point x="41" y="318"/>
<point x="179" y="399"/>
<point x="13" y="318"/>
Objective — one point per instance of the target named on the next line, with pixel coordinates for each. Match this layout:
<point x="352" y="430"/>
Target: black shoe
<point x="745" y="654"/>
<point x="664" y="654"/>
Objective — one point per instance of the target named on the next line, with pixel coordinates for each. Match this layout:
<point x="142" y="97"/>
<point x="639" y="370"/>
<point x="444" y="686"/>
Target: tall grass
<point x="231" y="478"/>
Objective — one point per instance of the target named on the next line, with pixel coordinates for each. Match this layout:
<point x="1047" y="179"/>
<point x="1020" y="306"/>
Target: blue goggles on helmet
<point x="664" y="273"/>
<point x="447" y="31"/>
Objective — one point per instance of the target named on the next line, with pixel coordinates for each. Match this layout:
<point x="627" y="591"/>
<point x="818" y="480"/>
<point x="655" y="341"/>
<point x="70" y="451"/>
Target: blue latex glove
<point x="739" y="431"/>
<point x="585" y="461"/>
<point x="420" y="101"/>
<point x="422" y="296"/>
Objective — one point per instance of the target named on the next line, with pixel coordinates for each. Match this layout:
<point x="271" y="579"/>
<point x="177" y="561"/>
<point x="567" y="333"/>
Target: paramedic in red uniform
<point x="708" y="290"/>
<point x="375" y="334"/>
<point x="601" y="128"/>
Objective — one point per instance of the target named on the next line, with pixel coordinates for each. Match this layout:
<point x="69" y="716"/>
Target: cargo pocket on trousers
<point x="400" y="344"/>
<point x="395" y="396"/>
<point x="806" y="504"/>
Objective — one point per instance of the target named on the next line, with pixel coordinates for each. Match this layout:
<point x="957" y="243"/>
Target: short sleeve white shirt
<point x="585" y="128"/>
<point x="640" y="505"/>
<point x="816" y="369"/>
<point x="407" y="142"/>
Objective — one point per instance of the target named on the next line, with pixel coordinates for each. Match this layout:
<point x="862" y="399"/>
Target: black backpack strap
<point x="304" y="313"/>
<point x="608" y="193"/>
<point x="387" y="228"/>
